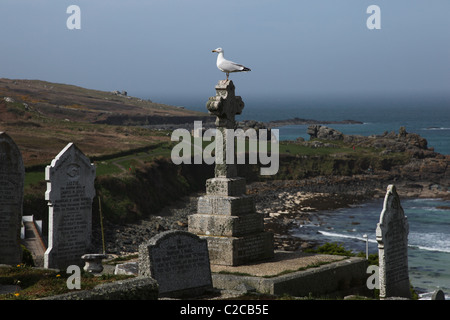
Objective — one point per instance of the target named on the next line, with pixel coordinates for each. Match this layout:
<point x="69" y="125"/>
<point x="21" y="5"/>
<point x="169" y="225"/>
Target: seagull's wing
<point x="230" y="66"/>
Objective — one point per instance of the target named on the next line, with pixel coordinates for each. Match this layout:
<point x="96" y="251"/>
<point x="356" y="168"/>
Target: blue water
<point x="426" y="116"/>
<point x="428" y="239"/>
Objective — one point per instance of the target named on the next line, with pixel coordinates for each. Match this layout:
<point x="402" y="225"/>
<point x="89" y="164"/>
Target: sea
<point x="429" y="219"/>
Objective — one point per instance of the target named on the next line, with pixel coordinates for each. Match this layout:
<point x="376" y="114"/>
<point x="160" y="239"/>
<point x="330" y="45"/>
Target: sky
<point x="161" y="49"/>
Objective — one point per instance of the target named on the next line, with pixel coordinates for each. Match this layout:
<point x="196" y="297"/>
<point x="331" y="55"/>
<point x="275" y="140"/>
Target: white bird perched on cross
<point x="227" y="66"/>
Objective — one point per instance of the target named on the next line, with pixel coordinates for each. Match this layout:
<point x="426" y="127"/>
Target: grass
<point x="106" y="168"/>
<point x="34" y="177"/>
<point x="335" y="248"/>
<point x="293" y="148"/>
<point x="40" y="283"/>
<point x="112" y="164"/>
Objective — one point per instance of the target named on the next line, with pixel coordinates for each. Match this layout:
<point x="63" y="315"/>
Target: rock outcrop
<point x="318" y="131"/>
<point x="424" y="164"/>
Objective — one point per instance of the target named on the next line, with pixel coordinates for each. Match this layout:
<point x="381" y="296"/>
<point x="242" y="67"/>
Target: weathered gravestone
<point x="438" y="295"/>
<point x="70" y="191"/>
<point x="226" y="216"/>
<point x="12" y="174"/>
<point x="392" y="237"/>
<point x="178" y="261"/>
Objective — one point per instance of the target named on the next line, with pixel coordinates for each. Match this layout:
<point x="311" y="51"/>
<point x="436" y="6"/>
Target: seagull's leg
<point x="227" y="76"/>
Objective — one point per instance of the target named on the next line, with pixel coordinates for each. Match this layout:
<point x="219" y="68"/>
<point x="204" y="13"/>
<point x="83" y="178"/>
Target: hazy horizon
<point x="162" y="49"/>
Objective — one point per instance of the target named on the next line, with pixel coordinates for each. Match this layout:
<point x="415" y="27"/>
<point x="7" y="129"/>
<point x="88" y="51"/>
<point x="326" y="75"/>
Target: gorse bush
<point x="332" y="248"/>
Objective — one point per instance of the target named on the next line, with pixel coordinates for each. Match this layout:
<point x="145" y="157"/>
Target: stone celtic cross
<point x="225" y="105"/>
<point x="226" y="216"/>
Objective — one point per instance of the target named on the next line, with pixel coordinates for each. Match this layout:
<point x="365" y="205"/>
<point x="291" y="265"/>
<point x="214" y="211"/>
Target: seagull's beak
<point x="214" y="51"/>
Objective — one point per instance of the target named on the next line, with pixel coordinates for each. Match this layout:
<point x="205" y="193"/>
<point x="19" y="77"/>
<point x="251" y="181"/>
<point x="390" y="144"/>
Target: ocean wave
<point x="429" y="248"/>
<point x="436" y="128"/>
<point x="432" y="241"/>
<point x="340" y="235"/>
<point x="360" y="238"/>
<point x="423" y="199"/>
<point x="427" y="208"/>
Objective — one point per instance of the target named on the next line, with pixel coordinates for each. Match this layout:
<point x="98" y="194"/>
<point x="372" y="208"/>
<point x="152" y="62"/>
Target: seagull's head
<point x="218" y="50"/>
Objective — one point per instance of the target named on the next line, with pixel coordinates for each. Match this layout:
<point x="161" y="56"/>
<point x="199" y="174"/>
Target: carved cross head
<point x="225" y="105"/>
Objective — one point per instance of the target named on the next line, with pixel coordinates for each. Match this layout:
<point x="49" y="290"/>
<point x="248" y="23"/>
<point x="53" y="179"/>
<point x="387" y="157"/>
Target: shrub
<point x="332" y="248"/>
<point x="27" y="258"/>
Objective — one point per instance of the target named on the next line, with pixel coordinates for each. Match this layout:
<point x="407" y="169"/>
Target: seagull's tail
<point x="246" y="69"/>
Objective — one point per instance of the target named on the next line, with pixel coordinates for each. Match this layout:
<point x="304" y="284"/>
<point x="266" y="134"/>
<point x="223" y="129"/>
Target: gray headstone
<point x="70" y="191"/>
<point x="12" y="175"/>
<point x="438" y="295"/>
<point x="392" y="237"/>
<point x="178" y="261"/>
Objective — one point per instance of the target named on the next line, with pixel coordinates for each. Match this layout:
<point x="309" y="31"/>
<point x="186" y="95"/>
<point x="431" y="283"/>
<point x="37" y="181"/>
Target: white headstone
<point x="12" y="175"/>
<point x="392" y="237"/>
<point x="70" y="191"/>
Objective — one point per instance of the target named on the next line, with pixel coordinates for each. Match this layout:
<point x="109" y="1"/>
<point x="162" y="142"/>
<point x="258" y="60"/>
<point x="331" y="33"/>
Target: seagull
<point x="227" y="66"/>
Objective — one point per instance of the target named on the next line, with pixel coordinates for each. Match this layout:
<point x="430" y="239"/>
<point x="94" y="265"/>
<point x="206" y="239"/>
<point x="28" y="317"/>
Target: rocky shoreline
<point x="284" y="204"/>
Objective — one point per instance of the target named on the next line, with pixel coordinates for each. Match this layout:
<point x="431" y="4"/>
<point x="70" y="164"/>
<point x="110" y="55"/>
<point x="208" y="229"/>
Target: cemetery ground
<point x="141" y="193"/>
<point x="26" y="283"/>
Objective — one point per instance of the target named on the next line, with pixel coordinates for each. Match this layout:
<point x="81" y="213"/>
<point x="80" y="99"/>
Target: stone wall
<point x="335" y="279"/>
<point x="140" y="288"/>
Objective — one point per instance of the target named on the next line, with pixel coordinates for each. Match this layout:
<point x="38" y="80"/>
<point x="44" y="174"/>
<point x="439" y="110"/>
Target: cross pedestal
<point x="226" y="216"/>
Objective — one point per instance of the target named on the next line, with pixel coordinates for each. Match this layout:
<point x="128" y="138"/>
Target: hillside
<point x="42" y="117"/>
<point x="75" y="103"/>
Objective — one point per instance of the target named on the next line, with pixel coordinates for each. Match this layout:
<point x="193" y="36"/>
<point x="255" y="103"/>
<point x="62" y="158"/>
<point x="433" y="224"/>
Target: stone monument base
<point x="234" y="251"/>
<point x="297" y="274"/>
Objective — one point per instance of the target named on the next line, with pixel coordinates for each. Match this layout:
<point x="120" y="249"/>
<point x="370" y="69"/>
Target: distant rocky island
<point x="289" y="122"/>
<point x="208" y="122"/>
<point x="300" y="121"/>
